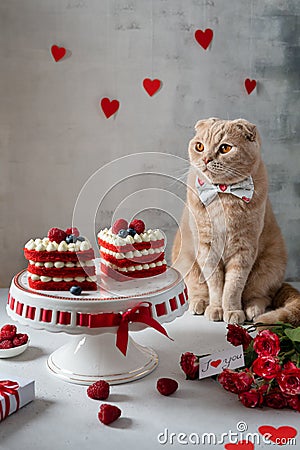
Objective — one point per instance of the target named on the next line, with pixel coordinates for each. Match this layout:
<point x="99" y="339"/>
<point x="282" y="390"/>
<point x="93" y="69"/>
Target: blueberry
<point x="75" y="290"/>
<point x="131" y="231"/>
<point x="123" y="233"/>
<point x="71" y="239"/>
<point x="80" y="238"/>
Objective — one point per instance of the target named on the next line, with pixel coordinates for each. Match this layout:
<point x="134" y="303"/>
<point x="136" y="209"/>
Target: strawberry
<point x="20" y="339"/>
<point x="119" y="224"/>
<point x="166" y="386"/>
<point x="137" y="225"/>
<point x="108" y="413"/>
<point x="98" y="390"/>
<point x="8" y="332"/>
<point x="73" y="230"/>
<point x="6" y="344"/>
<point x="57" y="235"/>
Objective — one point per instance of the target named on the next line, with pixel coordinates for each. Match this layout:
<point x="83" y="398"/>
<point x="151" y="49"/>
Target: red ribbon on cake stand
<point x="8" y="387"/>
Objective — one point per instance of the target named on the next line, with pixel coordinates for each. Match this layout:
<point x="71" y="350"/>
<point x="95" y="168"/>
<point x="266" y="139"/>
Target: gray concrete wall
<point x="53" y="135"/>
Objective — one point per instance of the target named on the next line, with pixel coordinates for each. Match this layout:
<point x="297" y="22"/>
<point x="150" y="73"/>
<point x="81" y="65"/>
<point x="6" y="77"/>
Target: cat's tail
<point x="287" y="307"/>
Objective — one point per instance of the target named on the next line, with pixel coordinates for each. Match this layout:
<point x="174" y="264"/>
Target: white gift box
<point x="15" y="392"/>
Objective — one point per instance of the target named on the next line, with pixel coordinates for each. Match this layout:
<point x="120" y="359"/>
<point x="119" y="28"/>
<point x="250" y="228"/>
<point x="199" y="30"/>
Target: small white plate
<point x="15" y="351"/>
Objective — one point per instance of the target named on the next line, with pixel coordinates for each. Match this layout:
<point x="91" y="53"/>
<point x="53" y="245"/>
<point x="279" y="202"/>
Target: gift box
<point x="15" y="392"/>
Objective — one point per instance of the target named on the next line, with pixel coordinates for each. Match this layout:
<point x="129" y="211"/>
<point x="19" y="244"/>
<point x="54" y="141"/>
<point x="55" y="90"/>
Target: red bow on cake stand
<point x="100" y="321"/>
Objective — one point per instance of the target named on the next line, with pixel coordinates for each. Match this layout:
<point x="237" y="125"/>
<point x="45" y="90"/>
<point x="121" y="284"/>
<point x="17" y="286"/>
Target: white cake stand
<point x="94" y="319"/>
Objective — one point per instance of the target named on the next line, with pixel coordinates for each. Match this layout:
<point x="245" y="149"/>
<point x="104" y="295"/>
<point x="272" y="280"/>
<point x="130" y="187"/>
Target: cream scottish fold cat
<point x="229" y="246"/>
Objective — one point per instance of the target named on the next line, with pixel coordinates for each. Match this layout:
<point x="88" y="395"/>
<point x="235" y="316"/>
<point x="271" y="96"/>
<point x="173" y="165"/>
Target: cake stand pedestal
<point x="98" y="320"/>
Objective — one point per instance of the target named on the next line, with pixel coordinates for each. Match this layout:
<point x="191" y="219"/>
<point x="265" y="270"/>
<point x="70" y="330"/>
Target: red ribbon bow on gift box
<point x="8" y="387"/>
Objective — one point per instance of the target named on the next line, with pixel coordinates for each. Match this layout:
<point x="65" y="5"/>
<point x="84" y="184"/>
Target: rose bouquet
<point x="271" y="375"/>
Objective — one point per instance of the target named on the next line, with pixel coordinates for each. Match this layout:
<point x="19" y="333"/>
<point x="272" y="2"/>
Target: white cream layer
<point x="134" y="268"/>
<point x="130" y="255"/>
<point x="42" y="245"/>
<point x="150" y="235"/>
<point x="61" y="264"/>
<point x="44" y="279"/>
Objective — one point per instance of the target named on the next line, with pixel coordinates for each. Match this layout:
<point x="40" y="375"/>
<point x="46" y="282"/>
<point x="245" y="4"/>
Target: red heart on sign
<point x="250" y="85"/>
<point x="243" y="445"/>
<point x="223" y="187"/>
<point x="151" y="86"/>
<point x="246" y="199"/>
<point x="58" y="52"/>
<point x="109" y="107"/>
<point x="279" y="435"/>
<point x="216" y="363"/>
<point x="204" y="38"/>
<point x="201" y="182"/>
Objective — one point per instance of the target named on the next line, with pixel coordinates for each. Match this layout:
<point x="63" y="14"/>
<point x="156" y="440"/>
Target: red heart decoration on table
<point x="279" y="435"/>
<point x="216" y="363"/>
<point x="58" y="52"/>
<point x="250" y="85"/>
<point x="243" y="445"/>
<point x="204" y="38"/>
<point x="109" y="107"/>
<point x="151" y="86"/>
<point x="223" y="187"/>
<point x="246" y="199"/>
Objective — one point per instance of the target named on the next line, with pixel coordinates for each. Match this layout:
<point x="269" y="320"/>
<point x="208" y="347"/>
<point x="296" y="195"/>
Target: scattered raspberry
<point x="166" y="386"/>
<point x="8" y="332"/>
<point x="6" y="344"/>
<point x="98" y="390"/>
<point x="137" y="225"/>
<point x="20" y="339"/>
<point x="73" y="230"/>
<point x="57" y="235"/>
<point x="119" y="224"/>
<point x="108" y="413"/>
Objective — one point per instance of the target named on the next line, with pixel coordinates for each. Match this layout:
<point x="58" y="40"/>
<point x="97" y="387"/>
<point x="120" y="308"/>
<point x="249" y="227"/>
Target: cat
<point x="229" y="246"/>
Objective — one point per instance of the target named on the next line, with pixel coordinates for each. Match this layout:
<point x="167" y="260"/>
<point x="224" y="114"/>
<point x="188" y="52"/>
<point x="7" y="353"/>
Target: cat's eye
<point x="225" y="148"/>
<point x="199" y="147"/>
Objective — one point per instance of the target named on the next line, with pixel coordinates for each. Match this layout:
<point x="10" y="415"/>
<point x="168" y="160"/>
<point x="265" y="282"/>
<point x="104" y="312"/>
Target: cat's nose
<point x="207" y="160"/>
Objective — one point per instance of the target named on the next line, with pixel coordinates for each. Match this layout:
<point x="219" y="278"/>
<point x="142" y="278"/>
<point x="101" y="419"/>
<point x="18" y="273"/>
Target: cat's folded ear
<point x="247" y="128"/>
<point x="205" y="122"/>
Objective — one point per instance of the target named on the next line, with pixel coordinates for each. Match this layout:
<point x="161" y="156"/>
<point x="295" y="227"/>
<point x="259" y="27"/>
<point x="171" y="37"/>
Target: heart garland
<point x="204" y="38"/>
<point x="109" y="107"/>
<point x="58" y="53"/>
<point x="151" y="86"/>
<point x="250" y="85"/>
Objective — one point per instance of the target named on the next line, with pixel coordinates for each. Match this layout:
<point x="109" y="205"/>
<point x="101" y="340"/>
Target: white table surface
<point x="63" y="417"/>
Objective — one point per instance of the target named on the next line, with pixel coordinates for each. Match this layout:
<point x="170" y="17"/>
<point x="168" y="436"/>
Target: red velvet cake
<point x="61" y="261"/>
<point x="130" y="251"/>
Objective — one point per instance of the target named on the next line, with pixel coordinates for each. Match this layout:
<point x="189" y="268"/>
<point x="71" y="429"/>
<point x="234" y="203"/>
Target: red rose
<point x="237" y="335"/>
<point x="289" y="380"/>
<point x="267" y="367"/>
<point x="252" y="398"/>
<point x="235" y="382"/>
<point x="294" y="402"/>
<point x="190" y="365"/>
<point x="266" y="343"/>
<point x="275" y="399"/>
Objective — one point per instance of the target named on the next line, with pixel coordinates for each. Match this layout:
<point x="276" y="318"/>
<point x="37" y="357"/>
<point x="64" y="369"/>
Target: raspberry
<point x="74" y="231"/>
<point x="6" y="344"/>
<point x="166" y="386"/>
<point x="119" y="224"/>
<point x="57" y="235"/>
<point x="98" y="390"/>
<point x="108" y="413"/>
<point x="137" y="225"/>
<point x="20" y="339"/>
<point x="8" y="332"/>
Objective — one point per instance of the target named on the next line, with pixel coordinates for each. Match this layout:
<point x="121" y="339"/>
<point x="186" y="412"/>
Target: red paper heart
<point x="109" y="107"/>
<point x="58" y="52"/>
<point x="223" y="187"/>
<point x="151" y="86"/>
<point x="204" y="38"/>
<point x="279" y="436"/>
<point x="244" y="445"/>
<point x="201" y="182"/>
<point x="250" y="85"/>
<point x="216" y="363"/>
<point x="246" y="199"/>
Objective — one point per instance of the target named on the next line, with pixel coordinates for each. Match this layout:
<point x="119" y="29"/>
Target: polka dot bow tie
<point x="208" y="192"/>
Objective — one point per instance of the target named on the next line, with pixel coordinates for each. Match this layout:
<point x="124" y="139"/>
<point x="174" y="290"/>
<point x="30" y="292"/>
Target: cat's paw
<point x="234" y="316"/>
<point x="253" y="311"/>
<point x="214" y="313"/>
<point x="198" y="306"/>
